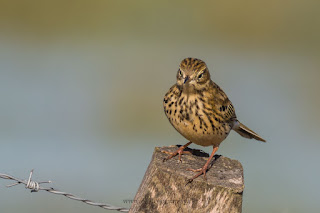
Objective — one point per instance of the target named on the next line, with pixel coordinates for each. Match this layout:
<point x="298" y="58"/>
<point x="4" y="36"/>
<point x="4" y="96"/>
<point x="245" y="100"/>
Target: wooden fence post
<point x="164" y="189"/>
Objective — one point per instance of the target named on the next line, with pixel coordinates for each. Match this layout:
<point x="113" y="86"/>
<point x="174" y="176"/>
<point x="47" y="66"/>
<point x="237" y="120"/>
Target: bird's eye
<point x="200" y="76"/>
<point x="180" y="73"/>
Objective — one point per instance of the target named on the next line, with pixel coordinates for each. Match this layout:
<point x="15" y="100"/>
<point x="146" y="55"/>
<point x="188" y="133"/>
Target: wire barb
<point x="35" y="187"/>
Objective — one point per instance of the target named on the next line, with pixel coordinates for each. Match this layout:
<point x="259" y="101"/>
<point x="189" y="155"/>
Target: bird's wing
<point x="222" y="105"/>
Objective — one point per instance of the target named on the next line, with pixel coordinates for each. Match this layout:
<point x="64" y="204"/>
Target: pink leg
<point x="179" y="151"/>
<point x="204" y="169"/>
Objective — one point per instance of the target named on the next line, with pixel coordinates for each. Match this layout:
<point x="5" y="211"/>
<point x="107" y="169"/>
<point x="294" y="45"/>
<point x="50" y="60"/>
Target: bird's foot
<point x="172" y="154"/>
<point x="200" y="171"/>
<point x="204" y="169"/>
<point x="178" y="152"/>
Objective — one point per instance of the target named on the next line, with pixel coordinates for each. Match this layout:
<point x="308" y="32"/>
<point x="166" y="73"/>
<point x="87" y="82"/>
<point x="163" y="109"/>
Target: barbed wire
<point x="35" y="187"/>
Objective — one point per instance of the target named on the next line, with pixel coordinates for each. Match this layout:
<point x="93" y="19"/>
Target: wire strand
<point x="35" y="187"/>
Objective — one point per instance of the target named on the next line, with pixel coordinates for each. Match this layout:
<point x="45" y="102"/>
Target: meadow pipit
<point x="200" y="111"/>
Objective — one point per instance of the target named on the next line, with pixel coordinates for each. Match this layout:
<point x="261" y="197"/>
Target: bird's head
<point x="193" y="75"/>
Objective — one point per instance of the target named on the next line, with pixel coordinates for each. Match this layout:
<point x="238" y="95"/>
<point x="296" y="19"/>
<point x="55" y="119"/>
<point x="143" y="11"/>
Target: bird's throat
<point x="188" y="90"/>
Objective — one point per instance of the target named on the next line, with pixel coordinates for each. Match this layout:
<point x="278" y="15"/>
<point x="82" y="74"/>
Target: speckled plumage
<point x="199" y="109"/>
<point x="205" y="118"/>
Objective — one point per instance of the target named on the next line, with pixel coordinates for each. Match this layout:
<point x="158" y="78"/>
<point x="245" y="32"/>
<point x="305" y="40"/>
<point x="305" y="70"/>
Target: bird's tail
<point x="246" y="132"/>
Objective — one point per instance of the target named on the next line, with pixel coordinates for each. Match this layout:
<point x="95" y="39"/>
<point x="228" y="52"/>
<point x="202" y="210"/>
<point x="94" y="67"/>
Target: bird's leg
<point x="179" y="151"/>
<point x="204" y="169"/>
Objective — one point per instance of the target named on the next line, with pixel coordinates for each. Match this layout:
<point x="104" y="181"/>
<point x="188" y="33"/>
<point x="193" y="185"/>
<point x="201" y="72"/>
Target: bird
<point x="201" y="111"/>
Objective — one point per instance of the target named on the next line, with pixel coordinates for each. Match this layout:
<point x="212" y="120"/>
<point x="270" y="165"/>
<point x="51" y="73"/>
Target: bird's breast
<point x="189" y="117"/>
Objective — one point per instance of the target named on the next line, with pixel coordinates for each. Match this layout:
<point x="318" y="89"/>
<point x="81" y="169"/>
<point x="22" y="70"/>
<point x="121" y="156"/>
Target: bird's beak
<point x="186" y="80"/>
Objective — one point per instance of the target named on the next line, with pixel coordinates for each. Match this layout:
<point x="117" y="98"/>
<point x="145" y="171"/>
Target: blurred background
<point x="82" y="84"/>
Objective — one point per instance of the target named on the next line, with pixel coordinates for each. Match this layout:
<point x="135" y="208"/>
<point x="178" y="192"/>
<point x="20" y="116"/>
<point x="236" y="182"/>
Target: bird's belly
<point x="203" y="137"/>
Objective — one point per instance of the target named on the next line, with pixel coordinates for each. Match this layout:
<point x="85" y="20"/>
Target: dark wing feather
<point x="222" y="105"/>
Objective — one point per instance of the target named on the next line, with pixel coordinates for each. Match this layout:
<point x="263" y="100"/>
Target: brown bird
<point x="200" y="111"/>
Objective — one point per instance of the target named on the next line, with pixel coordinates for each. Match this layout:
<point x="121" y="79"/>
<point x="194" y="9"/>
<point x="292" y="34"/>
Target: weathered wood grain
<point x="164" y="189"/>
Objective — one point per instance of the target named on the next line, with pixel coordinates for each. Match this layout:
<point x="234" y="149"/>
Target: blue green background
<point x="82" y="83"/>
